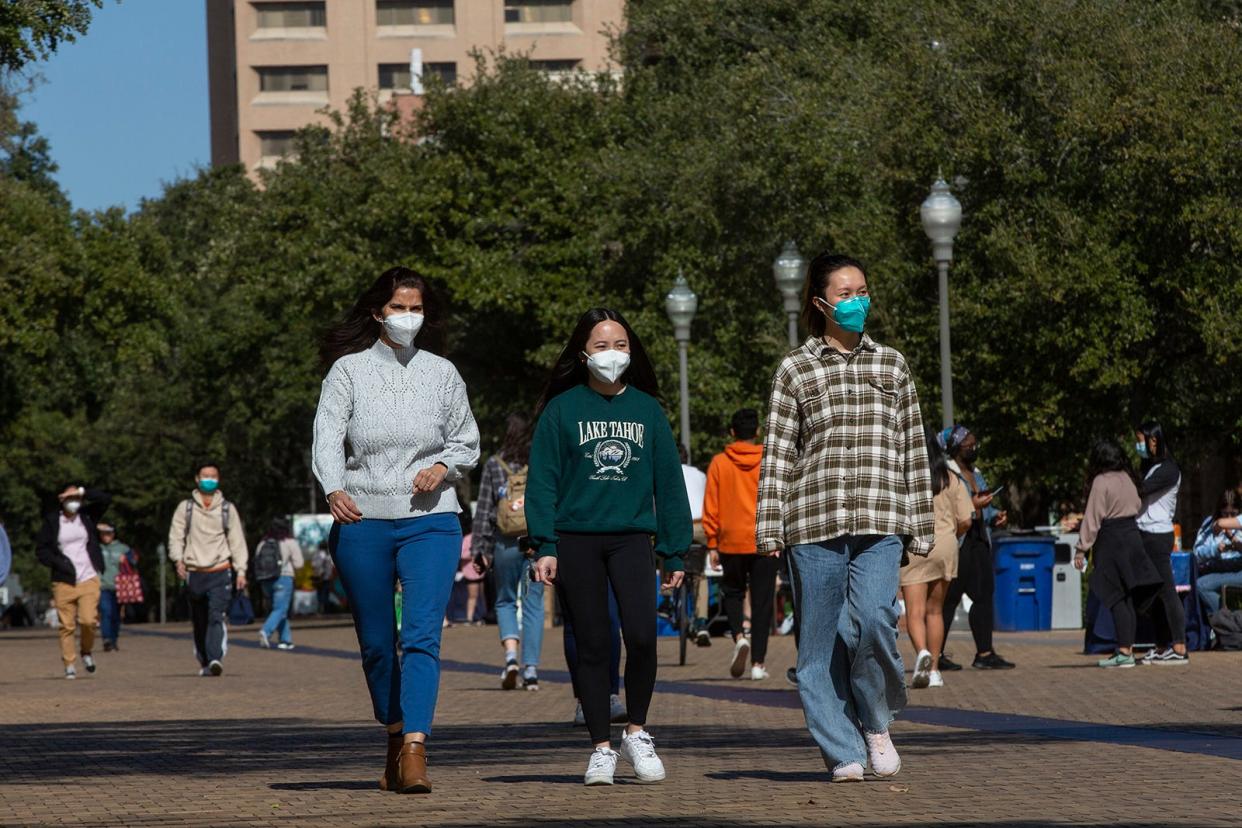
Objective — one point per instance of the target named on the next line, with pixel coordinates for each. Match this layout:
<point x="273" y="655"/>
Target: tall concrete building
<point x="274" y="64"/>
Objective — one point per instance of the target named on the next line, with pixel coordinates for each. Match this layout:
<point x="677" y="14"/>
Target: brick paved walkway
<point x="284" y="739"/>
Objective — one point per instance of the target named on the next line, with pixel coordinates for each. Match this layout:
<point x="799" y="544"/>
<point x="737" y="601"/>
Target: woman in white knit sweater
<point x="393" y="432"/>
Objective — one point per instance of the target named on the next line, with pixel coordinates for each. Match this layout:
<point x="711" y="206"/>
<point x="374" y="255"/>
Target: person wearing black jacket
<point x="68" y="544"/>
<point x="1159" y="481"/>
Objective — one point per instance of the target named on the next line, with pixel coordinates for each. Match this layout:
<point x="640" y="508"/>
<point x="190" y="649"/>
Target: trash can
<point x="1024" y="582"/>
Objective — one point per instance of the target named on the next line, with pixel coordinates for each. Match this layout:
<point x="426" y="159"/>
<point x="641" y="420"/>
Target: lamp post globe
<point x="789" y="271"/>
<point x="942" y="218"/>
<point x="680" y="304"/>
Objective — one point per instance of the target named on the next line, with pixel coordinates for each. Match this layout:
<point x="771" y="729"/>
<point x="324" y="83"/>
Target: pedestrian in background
<point x="276" y="557"/>
<point x="846" y="492"/>
<point x="1160" y="479"/>
<point x="114" y="554"/>
<point x="976" y="572"/>
<point x="1124" y="578"/>
<point x="68" y="544"/>
<point x="604" y="478"/>
<point x="729" y="524"/>
<point x="499" y="520"/>
<point x="207" y="544"/>
<point x="925" y="581"/>
<point x="1218" y="549"/>
<point x="393" y="434"/>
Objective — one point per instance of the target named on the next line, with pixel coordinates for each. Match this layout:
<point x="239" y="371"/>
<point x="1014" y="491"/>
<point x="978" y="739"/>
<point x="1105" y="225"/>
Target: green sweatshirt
<point x="609" y="466"/>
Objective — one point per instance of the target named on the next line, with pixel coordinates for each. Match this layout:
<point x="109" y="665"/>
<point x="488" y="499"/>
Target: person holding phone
<point x="393" y="433"/>
<point x="604" y="478"/>
<point x="976" y="576"/>
<point x="845" y="491"/>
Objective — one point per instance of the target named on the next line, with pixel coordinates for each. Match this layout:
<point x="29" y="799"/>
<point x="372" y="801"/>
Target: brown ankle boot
<point x="412" y="769"/>
<point x="390" y="781"/>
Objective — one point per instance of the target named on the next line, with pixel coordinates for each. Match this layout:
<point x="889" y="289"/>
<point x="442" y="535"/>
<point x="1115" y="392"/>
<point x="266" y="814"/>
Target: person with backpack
<point x="68" y="544"/>
<point x="324" y="573"/>
<point x="604" y="479"/>
<point x="1160" y="478"/>
<point x="845" y="491"/>
<point x="207" y="545"/>
<point x="116" y="555"/>
<point x="393" y="434"/>
<point x="276" y="558"/>
<point x="499" y="520"/>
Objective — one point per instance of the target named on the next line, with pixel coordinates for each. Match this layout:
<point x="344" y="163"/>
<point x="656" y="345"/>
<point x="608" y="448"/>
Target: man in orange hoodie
<point x="729" y="523"/>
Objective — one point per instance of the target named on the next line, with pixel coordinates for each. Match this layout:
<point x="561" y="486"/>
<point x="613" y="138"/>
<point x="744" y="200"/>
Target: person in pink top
<point x="68" y="544"/>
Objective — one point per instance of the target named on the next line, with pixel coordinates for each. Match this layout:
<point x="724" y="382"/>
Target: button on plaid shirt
<point x="845" y="452"/>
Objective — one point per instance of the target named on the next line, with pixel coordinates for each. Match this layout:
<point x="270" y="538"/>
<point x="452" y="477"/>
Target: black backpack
<point x="1227" y="624"/>
<point x="268" y="561"/>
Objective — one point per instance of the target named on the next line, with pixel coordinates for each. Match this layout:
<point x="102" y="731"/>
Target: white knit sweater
<point x="383" y="416"/>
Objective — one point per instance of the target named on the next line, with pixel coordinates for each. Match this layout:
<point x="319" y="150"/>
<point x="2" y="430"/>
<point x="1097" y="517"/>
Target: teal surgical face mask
<point x="208" y="485"/>
<point x="850" y="314"/>
<point x="1141" y="448"/>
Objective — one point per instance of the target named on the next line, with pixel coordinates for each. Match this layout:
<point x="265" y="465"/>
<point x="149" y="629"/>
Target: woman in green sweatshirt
<point x="604" y="478"/>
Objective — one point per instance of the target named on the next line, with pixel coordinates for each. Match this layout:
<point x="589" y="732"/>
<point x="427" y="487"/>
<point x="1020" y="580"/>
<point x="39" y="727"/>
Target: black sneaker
<point x="791" y="676"/>
<point x="1169" y="657"/>
<point x="947" y="665"/>
<point x="703" y="638"/>
<point x="991" y="661"/>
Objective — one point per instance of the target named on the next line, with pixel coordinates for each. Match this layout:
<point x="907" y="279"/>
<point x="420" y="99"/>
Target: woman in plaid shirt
<point x="845" y="490"/>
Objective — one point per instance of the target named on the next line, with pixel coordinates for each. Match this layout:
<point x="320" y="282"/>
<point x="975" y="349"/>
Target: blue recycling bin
<point x="1023" y="598"/>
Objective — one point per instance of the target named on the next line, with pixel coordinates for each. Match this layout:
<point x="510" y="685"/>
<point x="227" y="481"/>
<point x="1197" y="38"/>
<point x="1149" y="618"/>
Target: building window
<point x="446" y="72"/>
<point x="275" y="144"/>
<point x="414" y="12"/>
<point x="397" y="77"/>
<point x="539" y="11"/>
<point x="293" y="79"/>
<point x="302" y="15"/>
<point x="555" y="65"/>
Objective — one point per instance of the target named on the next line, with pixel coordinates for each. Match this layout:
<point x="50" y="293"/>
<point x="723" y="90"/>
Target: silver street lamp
<point x="789" y="269"/>
<point x="681" y="304"/>
<point x="942" y="218"/>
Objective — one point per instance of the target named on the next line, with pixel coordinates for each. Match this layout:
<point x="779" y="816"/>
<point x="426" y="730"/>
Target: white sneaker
<point x="758" y="673"/>
<point x="639" y="750"/>
<point x="786" y="626"/>
<point x="285" y="645"/>
<point x="884" y="759"/>
<point x="71" y="672"/>
<point x="934" y="679"/>
<point x="601" y="768"/>
<point x="922" y="670"/>
<point x="264" y="641"/>
<point x="617" y="714"/>
<point x="509" y="676"/>
<point x="89" y="661"/>
<point x="853" y="772"/>
<point x="741" y="652"/>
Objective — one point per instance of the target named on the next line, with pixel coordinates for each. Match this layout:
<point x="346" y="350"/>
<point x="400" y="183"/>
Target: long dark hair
<point x="515" y="447"/>
<point x="1229" y="499"/>
<point x="937" y="460"/>
<point x="1106" y="456"/>
<point x="817" y="275"/>
<point x="358" y="329"/>
<point x="1163" y="452"/>
<point x="569" y="370"/>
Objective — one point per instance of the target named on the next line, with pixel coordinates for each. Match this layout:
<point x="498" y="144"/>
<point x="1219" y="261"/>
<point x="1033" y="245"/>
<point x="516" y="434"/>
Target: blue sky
<point x="125" y="107"/>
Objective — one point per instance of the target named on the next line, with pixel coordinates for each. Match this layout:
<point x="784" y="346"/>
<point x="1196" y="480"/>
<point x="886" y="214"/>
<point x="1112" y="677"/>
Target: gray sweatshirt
<point x="383" y="416"/>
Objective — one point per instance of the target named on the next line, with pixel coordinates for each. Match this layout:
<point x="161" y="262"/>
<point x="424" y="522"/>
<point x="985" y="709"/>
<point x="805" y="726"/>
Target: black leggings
<point x="1125" y="622"/>
<point x="1167" y="613"/>
<point x="586" y="565"/>
<point x="760" y="572"/>
<point x="976" y="577"/>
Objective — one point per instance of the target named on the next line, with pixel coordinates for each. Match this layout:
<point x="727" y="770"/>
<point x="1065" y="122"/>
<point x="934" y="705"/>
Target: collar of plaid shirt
<point x="844" y="452"/>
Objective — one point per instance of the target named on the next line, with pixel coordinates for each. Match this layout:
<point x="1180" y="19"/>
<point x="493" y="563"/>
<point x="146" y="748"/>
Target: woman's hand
<point x="672" y="580"/>
<point x="981" y="501"/>
<point x="480" y="563"/>
<point x="70" y="492"/>
<point x="343" y="508"/>
<point x="1080" y="561"/>
<point x="714" y="558"/>
<point x="430" y="478"/>
<point x="1001" y="521"/>
<point x="545" y="570"/>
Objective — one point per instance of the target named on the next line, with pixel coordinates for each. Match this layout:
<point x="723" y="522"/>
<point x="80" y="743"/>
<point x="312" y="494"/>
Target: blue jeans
<point x="279" y="591"/>
<point x="109" y="615"/>
<point x="1208" y="587"/>
<point x="511" y="568"/>
<point x="850" y="675"/>
<point x="370" y="556"/>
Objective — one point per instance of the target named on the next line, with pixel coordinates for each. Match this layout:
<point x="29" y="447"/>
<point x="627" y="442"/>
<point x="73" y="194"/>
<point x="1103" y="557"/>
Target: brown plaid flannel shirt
<point x="845" y="452"/>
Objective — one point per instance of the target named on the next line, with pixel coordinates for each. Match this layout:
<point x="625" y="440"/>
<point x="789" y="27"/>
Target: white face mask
<point x="72" y="506"/>
<point x="608" y="366"/>
<point x="403" y="327"/>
